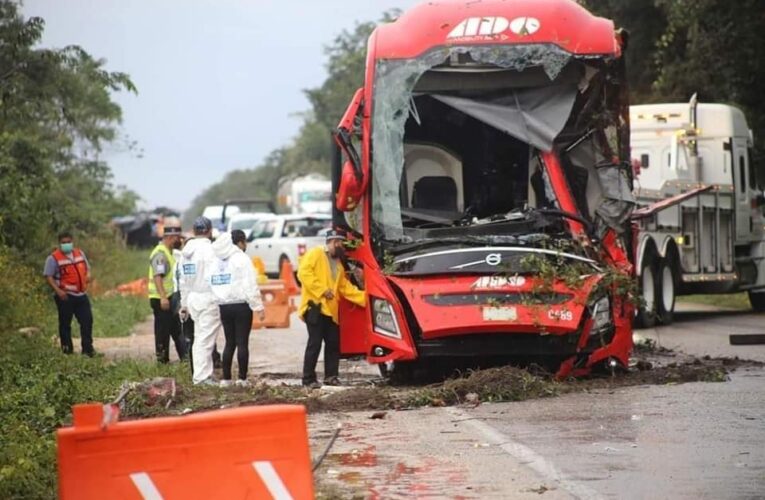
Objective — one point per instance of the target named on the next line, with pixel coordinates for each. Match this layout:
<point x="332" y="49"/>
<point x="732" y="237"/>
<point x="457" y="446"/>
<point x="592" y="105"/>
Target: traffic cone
<point x="287" y="275"/>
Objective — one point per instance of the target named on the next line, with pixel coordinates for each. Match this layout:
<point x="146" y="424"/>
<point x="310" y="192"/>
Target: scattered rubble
<point x="650" y="367"/>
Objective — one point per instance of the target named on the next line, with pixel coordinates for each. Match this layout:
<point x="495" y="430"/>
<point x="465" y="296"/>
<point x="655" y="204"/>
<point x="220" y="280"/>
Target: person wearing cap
<point x="161" y="286"/>
<point x="67" y="272"/>
<point x="198" y="301"/>
<point x="324" y="281"/>
<point x="235" y="287"/>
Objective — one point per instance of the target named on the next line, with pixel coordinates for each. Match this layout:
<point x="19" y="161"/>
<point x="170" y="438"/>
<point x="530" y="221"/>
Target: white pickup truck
<point x="279" y="238"/>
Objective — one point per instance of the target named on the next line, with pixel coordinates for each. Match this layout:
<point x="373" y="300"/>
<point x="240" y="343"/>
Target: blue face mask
<point x="67" y="247"/>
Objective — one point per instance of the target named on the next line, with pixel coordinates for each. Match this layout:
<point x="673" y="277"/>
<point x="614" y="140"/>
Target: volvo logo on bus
<point x="494" y="259"/>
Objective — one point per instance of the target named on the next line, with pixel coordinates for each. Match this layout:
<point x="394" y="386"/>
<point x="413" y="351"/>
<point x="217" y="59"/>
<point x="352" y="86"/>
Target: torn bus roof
<point x="565" y="24"/>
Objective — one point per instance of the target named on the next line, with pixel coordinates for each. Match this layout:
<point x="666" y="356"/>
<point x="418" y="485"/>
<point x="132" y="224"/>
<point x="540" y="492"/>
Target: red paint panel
<point x="560" y="22"/>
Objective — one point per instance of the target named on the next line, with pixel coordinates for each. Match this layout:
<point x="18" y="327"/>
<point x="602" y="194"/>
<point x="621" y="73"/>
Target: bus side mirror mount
<point x="348" y="177"/>
<point x="350" y="189"/>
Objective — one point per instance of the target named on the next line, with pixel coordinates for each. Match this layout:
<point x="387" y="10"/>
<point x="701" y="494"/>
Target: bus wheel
<point x="665" y="302"/>
<point x="400" y="373"/>
<point x="646" y="317"/>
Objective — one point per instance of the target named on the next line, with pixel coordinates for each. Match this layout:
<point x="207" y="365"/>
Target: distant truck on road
<point x="307" y="194"/>
<point x="701" y="221"/>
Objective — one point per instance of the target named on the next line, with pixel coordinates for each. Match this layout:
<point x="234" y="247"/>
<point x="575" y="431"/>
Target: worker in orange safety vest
<point x="67" y="272"/>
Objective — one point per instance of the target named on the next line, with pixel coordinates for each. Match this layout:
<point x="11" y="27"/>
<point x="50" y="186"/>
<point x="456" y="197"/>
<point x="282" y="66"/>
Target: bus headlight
<point x="384" y="319"/>
<point x="601" y="314"/>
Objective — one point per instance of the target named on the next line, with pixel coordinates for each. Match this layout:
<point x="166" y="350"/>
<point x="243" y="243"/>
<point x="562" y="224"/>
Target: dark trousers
<point x="187" y="329"/>
<point x="325" y="329"/>
<point x="166" y="326"/>
<point x="237" y="323"/>
<point x="79" y="307"/>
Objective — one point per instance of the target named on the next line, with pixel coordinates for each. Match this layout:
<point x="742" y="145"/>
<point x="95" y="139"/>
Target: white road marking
<point x="145" y="486"/>
<point x="272" y="480"/>
<point x="527" y="456"/>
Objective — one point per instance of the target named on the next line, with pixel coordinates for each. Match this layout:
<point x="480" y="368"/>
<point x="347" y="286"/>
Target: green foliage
<point x="113" y="263"/>
<point x="56" y="113"/>
<point x="715" y="49"/>
<point x="38" y="386"/>
<point x="23" y="296"/>
<point x="115" y="316"/>
<point x="739" y="301"/>
<point x="681" y="47"/>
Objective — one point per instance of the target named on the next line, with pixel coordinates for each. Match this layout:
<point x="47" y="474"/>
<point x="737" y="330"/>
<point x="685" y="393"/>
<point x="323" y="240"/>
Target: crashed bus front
<point x="486" y="179"/>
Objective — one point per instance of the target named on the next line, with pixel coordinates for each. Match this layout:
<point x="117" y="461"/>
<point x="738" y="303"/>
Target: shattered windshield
<point x="457" y="134"/>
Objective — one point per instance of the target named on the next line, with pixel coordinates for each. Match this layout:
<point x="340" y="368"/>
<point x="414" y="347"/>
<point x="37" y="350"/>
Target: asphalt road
<point x="698" y="440"/>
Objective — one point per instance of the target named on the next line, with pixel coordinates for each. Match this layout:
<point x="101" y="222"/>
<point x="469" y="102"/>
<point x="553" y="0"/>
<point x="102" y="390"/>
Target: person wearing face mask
<point x="161" y="286"/>
<point x="67" y="272"/>
<point x="323" y="277"/>
<point x="236" y="291"/>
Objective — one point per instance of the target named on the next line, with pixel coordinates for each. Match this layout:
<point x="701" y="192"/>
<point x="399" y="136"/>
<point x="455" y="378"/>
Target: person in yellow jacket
<point x="161" y="287"/>
<point x="324" y="281"/>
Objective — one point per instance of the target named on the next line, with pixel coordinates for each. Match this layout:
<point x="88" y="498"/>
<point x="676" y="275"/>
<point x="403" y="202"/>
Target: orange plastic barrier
<point x="278" y="306"/>
<point x="287" y="275"/>
<point x="136" y="287"/>
<point x="253" y="452"/>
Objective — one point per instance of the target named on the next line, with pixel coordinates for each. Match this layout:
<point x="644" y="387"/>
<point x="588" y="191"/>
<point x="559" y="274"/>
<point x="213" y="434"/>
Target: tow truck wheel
<point x="758" y="301"/>
<point x="666" y="300"/>
<point x="646" y="317"/>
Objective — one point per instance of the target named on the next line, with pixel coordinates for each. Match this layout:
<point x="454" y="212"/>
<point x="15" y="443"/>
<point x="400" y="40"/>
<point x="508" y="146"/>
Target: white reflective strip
<point x="145" y="486"/>
<point x="272" y="480"/>
<point x="495" y="249"/>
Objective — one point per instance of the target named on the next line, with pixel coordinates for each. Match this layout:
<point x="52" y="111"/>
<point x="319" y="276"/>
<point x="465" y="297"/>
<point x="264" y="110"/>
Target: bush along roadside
<point x="38" y="386"/>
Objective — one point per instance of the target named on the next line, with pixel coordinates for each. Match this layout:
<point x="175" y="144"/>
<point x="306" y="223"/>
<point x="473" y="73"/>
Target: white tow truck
<point x="700" y="203"/>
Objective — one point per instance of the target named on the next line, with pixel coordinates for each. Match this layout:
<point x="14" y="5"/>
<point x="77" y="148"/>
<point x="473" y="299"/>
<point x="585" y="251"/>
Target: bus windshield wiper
<point x="398" y="247"/>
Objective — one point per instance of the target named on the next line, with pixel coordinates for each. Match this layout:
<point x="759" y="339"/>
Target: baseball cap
<point x="202" y="225"/>
<point x="172" y="226"/>
<point x="334" y="234"/>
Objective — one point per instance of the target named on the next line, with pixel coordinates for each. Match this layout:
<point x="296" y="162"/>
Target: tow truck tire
<point x="758" y="301"/>
<point x="646" y="317"/>
<point x="667" y="288"/>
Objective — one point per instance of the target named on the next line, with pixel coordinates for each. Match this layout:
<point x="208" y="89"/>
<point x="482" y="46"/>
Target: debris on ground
<point x="499" y="384"/>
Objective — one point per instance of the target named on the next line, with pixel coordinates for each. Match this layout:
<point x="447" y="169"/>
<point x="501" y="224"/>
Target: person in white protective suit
<point x="198" y="301"/>
<point x="235" y="287"/>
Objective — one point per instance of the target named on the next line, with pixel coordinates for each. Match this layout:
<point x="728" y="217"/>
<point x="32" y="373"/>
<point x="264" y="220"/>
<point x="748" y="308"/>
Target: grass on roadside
<point x="113" y="263"/>
<point x="731" y="300"/>
<point x="38" y="386"/>
<point x="113" y="316"/>
<point x="116" y="316"/>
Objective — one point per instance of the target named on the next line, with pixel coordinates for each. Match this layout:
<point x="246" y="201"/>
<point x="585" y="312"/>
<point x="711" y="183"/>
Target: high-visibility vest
<point x="167" y="279"/>
<point x="72" y="270"/>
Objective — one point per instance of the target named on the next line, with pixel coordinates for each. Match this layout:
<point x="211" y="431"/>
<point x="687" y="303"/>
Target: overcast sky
<point x="219" y="81"/>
